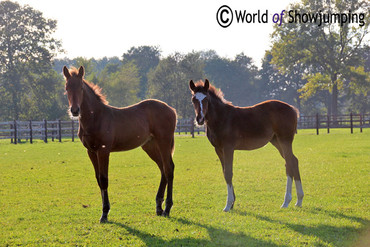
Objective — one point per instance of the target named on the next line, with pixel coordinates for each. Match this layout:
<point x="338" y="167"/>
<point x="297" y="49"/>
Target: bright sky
<point x="90" y="28"/>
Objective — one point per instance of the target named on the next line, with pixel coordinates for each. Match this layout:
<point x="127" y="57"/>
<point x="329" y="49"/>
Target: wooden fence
<point x="57" y="130"/>
<point x="328" y="122"/>
<point x="43" y="130"/>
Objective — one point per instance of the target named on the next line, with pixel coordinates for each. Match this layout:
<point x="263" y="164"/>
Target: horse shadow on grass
<point x="218" y="236"/>
<point x="331" y="235"/>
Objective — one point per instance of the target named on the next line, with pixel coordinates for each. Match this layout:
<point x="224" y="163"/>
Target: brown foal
<point x="232" y="128"/>
<point x="103" y="129"/>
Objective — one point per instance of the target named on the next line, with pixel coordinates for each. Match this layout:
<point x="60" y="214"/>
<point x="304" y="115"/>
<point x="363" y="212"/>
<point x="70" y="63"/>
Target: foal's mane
<point x="95" y="89"/>
<point x="213" y="92"/>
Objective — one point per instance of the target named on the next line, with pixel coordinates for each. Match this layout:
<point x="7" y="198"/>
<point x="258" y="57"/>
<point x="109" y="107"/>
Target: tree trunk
<point x="334" y="99"/>
<point x="15" y="103"/>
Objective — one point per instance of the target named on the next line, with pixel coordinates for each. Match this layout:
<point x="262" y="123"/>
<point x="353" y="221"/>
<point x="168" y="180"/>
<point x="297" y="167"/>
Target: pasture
<point x="49" y="196"/>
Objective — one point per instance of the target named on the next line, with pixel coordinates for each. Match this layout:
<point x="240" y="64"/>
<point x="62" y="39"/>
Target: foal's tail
<point x="174" y="129"/>
<point x="173" y="146"/>
<point x="296" y="119"/>
<point x="296" y="111"/>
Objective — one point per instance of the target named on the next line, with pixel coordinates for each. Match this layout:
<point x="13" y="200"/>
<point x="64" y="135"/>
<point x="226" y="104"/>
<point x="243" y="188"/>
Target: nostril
<point x="75" y="111"/>
<point x="200" y="120"/>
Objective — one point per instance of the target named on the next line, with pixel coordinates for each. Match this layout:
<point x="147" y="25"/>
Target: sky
<point x="89" y="28"/>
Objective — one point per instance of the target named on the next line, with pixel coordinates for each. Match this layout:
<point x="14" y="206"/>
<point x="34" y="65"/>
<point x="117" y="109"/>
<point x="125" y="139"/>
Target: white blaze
<point x="200" y="97"/>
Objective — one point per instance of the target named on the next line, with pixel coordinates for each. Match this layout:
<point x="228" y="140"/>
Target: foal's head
<point x="200" y="99"/>
<point x="74" y="88"/>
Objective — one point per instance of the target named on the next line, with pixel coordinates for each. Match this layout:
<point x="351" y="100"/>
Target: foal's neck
<point x="216" y="113"/>
<point x="91" y="106"/>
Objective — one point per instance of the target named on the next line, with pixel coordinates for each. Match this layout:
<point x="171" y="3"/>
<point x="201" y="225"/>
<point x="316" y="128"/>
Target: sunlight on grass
<point x="49" y="196"/>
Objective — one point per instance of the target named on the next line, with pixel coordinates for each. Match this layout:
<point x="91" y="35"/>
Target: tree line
<point x="318" y="70"/>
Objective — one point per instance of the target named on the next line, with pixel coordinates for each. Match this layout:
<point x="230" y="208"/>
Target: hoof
<point x="165" y="214"/>
<point x="284" y="205"/>
<point x="298" y="204"/>
<point x="229" y="206"/>
<point x="287" y="200"/>
<point x="103" y="220"/>
<point x="159" y="212"/>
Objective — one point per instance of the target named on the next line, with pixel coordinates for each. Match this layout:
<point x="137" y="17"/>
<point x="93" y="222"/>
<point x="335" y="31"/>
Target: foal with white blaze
<point x="232" y="128"/>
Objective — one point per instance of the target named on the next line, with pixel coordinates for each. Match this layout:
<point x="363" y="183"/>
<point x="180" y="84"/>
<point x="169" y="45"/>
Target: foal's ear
<point x="81" y="72"/>
<point x="191" y="85"/>
<point x="66" y="72"/>
<point x="206" y="85"/>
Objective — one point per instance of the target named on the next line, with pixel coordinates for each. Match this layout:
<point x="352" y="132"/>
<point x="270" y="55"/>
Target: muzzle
<point x="75" y="111"/>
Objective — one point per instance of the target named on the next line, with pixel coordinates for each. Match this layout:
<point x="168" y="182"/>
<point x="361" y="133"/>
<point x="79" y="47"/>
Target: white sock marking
<point x="288" y="193"/>
<point x="230" y="198"/>
<point x="300" y="194"/>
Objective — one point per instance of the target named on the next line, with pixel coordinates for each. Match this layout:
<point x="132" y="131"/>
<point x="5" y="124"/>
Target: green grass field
<point x="49" y="196"/>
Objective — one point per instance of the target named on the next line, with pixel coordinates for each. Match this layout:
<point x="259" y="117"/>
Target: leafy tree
<point x="26" y="46"/>
<point x="332" y="48"/>
<point x="236" y="78"/>
<point x="58" y="63"/>
<point x="120" y="84"/>
<point x="90" y="69"/>
<point x="281" y="86"/>
<point x="169" y="81"/>
<point x="358" y="88"/>
<point x="46" y="97"/>
<point x="100" y="64"/>
<point x="145" y="58"/>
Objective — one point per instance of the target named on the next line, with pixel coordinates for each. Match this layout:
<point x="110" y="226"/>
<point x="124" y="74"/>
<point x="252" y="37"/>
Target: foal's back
<point x="268" y="114"/>
<point x="155" y="113"/>
<point x="256" y="125"/>
<point x="134" y="125"/>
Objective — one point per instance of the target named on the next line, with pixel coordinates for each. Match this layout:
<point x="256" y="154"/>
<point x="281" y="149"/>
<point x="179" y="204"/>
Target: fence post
<point x="361" y="123"/>
<point x="317" y="124"/>
<point x="192" y="128"/>
<point x="15" y="132"/>
<point x="31" y="137"/>
<point x="52" y="132"/>
<point x="351" y="119"/>
<point x="73" y="131"/>
<point x="328" y="123"/>
<point x="11" y="136"/>
<point x="45" y="131"/>
<point x="60" y="130"/>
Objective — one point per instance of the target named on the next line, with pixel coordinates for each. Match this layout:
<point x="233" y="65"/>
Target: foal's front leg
<point x="228" y="174"/>
<point x="103" y="161"/>
<point x="102" y="184"/>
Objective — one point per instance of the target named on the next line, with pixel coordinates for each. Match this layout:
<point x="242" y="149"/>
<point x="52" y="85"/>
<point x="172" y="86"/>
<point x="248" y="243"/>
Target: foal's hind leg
<point x="228" y="156"/>
<point x="165" y="148"/>
<point x="151" y="149"/>
<point x="288" y="191"/>
<point x="292" y="171"/>
<point x="169" y="176"/>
